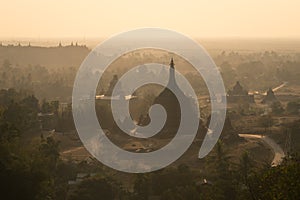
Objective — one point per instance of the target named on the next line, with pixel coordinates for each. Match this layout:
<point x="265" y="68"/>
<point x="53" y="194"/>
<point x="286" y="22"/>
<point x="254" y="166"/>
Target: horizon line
<point x="105" y="37"/>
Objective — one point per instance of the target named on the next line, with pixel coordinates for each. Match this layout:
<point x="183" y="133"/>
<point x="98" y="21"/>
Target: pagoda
<point x="270" y="97"/>
<point x="239" y="95"/>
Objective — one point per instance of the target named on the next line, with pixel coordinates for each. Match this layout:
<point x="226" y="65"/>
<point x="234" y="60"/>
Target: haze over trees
<point x="36" y="113"/>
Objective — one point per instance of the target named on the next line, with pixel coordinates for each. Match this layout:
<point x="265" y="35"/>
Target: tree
<point x="49" y="149"/>
<point x="245" y="170"/>
<point x="141" y="187"/>
<point x="266" y="121"/>
<point x="27" y="175"/>
<point x="293" y="107"/>
<point x="180" y="193"/>
<point x="223" y="174"/>
<point x="219" y="172"/>
<point x="94" y="188"/>
<point x="280" y="182"/>
<point x="48" y="107"/>
<point x="277" y="108"/>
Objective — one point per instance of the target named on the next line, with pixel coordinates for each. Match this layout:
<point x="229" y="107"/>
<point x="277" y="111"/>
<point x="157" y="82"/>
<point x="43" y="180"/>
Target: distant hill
<point x="52" y="57"/>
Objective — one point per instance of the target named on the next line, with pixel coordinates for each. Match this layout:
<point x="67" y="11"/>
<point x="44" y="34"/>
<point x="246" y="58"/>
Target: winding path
<point x="73" y="150"/>
<point x="278" y="152"/>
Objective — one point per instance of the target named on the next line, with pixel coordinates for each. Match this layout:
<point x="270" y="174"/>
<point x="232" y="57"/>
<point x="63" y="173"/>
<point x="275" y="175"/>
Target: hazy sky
<point x="102" y="18"/>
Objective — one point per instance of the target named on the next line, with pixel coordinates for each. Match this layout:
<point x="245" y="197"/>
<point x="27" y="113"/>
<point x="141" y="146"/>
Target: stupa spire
<point x="172" y="63"/>
<point x="172" y="80"/>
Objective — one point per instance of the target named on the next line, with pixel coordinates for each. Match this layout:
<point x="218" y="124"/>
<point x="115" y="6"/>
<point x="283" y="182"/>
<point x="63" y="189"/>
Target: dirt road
<point x="278" y="152"/>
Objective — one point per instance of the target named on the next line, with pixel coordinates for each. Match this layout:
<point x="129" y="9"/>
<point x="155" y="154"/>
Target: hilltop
<point x="57" y="56"/>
